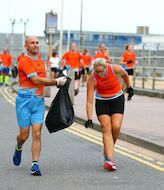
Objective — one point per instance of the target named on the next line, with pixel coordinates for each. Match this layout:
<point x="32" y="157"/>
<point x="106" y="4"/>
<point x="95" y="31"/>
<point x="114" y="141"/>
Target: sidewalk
<point x="143" y="122"/>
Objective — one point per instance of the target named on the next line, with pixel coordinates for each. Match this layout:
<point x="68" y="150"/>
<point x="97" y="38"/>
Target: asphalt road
<point x="71" y="160"/>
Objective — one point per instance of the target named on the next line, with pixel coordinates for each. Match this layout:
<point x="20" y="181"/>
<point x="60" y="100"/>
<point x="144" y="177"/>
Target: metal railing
<point x="148" y="73"/>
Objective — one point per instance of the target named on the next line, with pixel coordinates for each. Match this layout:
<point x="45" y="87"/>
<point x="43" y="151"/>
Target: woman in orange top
<point x="72" y="60"/>
<point x="109" y="103"/>
<point x="86" y="58"/>
<point x="102" y="53"/>
<point x="128" y="61"/>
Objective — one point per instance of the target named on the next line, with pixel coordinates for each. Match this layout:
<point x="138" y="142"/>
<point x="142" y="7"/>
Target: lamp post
<point x="24" y="31"/>
<point x="81" y="26"/>
<point x="61" y="31"/>
<point x="12" y="34"/>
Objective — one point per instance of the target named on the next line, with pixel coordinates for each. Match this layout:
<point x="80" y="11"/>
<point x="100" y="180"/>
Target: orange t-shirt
<point x="86" y="59"/>
<point x="127" y="56"/>
<point x="29" y="67"/>
<point x="6" y="60"/>
<point x="20" y="57"/>
<point x="100" y="54"/>
<point x="72" y="59"/>
<point x="109" y="85"/>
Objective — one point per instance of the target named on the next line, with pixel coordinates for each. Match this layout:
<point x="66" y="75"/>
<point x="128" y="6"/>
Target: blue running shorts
<point x="6" y="70"/>
<point x="29" y="110"/>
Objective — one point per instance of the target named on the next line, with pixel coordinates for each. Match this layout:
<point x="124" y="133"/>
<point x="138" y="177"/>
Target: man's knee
<point x="36" y="134"/>
<point x="23" y="137"/>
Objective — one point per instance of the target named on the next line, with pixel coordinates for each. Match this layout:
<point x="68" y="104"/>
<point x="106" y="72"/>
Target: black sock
<point x="34" y="161"/>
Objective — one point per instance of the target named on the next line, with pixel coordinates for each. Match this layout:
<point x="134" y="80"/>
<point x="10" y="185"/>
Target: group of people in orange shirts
<point x="81" y="63"/>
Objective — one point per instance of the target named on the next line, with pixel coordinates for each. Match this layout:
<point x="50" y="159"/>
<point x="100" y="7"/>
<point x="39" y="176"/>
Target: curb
<point x="150" y="93"/>
<point x="123" y="136"/>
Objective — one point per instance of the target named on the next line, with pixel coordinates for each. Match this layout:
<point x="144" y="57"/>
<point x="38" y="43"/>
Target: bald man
<point x="30" y="102"/>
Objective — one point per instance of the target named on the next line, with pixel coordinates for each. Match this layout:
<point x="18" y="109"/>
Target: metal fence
<point x="148" y="72"/>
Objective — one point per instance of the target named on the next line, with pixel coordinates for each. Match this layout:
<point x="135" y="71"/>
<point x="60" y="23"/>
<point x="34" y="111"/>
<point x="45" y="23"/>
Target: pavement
<point x="143" y="122"/>
<point x="71" y="159"/>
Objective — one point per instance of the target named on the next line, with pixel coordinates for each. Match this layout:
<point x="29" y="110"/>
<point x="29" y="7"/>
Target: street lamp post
<point x="61" y="31"/>
<point x="24" y="32"/>
<point x="81" y="26"/>
<point x="25" y="25"/>
<point x="12" y="34"/>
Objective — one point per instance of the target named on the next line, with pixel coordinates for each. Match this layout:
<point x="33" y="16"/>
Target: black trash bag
<point x="61" y="113"/>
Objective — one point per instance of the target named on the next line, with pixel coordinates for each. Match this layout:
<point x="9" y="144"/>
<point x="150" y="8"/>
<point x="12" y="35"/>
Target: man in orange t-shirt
<point x="20" y="56"/>
<point x="6" y="64"/>
<point x="86" y="58"/>
<point x="30" y="102"/>
<point x="72" y="60"/>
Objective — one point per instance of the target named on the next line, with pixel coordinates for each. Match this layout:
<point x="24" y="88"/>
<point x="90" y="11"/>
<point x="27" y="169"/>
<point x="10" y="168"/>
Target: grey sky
<point x="98" y="15"/>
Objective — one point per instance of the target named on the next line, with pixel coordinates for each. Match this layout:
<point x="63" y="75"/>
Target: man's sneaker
<point x="17" y="156"/>
<point x="109" y="164"/>
<point x="35" y="169"/>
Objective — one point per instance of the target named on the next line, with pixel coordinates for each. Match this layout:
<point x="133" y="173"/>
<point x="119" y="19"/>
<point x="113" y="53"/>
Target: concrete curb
<point x="150" y="93"/>
<point x="123" y="136"/>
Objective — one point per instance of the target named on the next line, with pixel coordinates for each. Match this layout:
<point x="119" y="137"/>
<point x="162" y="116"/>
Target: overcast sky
<point x="98" y="15"/>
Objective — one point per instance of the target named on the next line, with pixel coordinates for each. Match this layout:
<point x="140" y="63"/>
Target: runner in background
<point x="102" y="53"/>
<point x="72" y="60"/>
<point x="20" y="56"/>
<point x="1" y="72"/>
<point x="6" y="63"/>
<point x="128" y="61"/>
<point x="54" y="63"/>
<point x="86" y="64"/>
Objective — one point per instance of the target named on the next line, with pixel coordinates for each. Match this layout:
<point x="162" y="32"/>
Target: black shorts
<point x="53" y="69"/>
<point x="83" y="70"/>
<point x="130" y="71"/>
<point x="110" y="107"/>
<point x="77" y="75"/>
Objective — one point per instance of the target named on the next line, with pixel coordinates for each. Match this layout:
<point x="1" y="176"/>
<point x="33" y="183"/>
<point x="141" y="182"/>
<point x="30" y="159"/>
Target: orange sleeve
<point x="27" y="68"/>
<point x="65" y="56"/>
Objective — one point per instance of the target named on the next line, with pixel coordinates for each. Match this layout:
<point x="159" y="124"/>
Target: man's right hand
<point x="89" y="124"/>
<point x="61" y="81"/>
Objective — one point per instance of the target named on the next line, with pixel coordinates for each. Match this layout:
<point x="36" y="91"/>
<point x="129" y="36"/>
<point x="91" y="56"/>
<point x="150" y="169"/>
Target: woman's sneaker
<point x="17" y="156"/>
<point x="35" y="169"/>
<point x="109" y="164"/>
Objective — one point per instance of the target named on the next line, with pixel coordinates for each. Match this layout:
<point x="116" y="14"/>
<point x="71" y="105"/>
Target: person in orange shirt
<point x="6" y="63"/>
<point x="30" y="102"/>
<point x="1" y="72"/>
<point x="102" y="53"/>
<point x="86" y="58"/>
<point x="128" y="60"/>
<point x="72" y="60"/>
<point x="20" y="56"/>
<point x="109" y="104"/>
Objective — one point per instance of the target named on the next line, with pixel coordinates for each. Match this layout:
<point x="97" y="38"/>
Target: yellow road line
<point x="117" y="146"/>
<point x="6" y="97"/>
<point x="7" y="93"/>
<point x="119" y="151"/>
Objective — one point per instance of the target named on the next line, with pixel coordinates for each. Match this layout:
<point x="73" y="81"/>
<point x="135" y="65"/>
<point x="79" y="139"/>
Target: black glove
<point x="89" y="124"/>
<point x="130" y="92"/>
<point x="130" y="61"/>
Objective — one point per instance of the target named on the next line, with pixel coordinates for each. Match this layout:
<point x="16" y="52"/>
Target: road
<point x="72" y="159"/>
